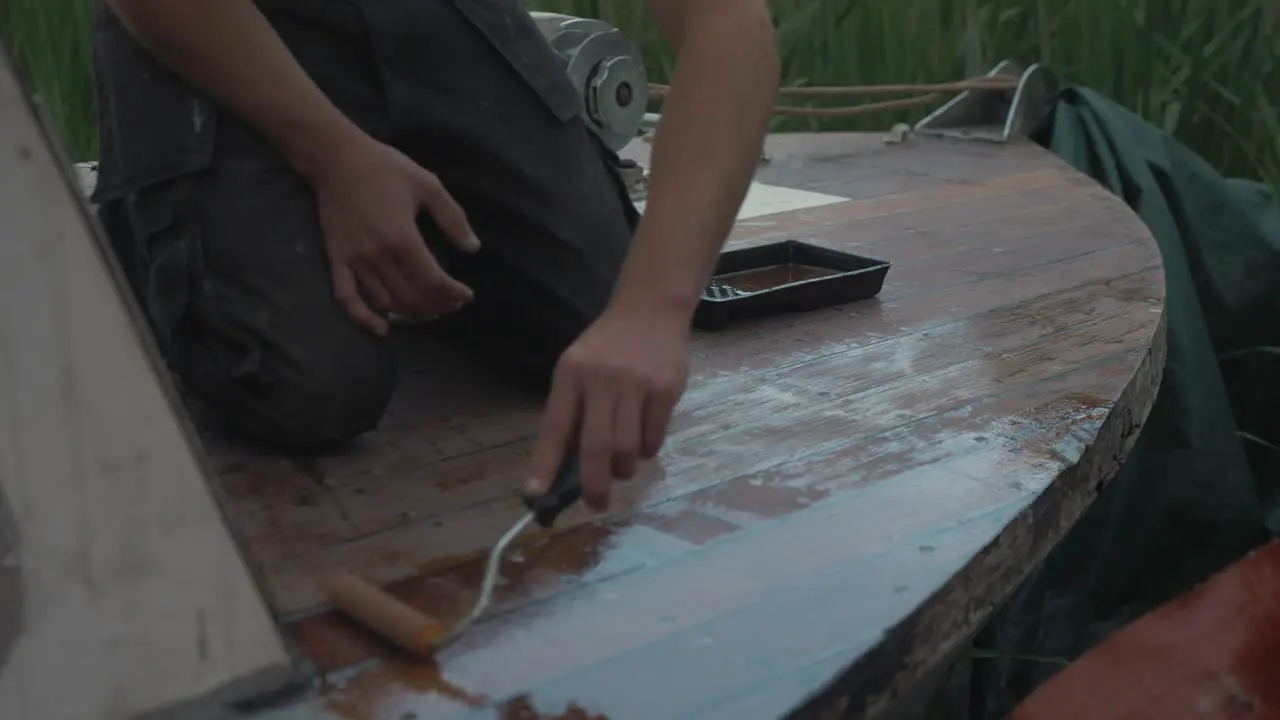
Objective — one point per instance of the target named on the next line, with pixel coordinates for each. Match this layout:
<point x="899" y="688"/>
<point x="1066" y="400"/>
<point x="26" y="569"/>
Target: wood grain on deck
<point x="844" y="494"/>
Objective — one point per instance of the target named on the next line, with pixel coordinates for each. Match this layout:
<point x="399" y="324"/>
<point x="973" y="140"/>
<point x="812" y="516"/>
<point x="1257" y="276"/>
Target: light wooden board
<point x="124" y="590"/>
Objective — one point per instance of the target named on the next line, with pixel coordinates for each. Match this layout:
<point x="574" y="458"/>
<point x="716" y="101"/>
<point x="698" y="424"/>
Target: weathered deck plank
<point x="856" y="484"/>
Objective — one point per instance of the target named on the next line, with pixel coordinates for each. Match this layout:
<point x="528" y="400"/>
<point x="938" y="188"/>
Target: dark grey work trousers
<point x="229" y="260"/>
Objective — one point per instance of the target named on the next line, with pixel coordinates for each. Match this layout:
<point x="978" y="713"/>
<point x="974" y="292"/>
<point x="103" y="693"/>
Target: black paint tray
<point x="787" y="276"/>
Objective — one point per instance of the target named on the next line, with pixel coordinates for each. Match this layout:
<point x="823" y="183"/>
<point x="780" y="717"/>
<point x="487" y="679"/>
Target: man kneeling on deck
<point x="278" y="176"/>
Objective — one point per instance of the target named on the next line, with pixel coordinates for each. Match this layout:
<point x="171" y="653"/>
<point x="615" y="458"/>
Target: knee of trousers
<point x="323" y="402"/>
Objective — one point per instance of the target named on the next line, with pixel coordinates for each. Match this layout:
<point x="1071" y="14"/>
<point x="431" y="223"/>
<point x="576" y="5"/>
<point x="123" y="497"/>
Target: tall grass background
<point x="1206" y="71"/>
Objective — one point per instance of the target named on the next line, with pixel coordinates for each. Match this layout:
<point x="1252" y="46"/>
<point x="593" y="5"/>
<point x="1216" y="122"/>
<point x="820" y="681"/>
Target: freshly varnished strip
<point x="743" y="608"/>
<point x="748" y="427"/>
<point x="969" y="432"/>
<point x="878" y="679"/>
<point x="975" y="439"/>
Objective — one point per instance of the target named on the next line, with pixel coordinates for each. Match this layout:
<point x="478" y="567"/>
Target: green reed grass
<point x="1207" y="71"/>
<point x="51" y="42"/>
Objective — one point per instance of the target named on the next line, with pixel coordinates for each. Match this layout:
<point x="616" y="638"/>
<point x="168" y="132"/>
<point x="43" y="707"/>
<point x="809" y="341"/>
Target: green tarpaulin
<point x="1198" y="490"/>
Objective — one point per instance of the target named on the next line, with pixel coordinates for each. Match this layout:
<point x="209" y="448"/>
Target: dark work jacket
<point x="395" y="67"/>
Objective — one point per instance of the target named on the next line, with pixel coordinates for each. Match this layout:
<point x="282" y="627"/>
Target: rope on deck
<point x="931" y="93"/>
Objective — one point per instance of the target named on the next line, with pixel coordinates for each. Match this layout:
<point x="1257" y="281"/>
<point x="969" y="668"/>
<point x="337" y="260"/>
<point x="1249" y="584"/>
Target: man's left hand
<point x="616" y="386"/>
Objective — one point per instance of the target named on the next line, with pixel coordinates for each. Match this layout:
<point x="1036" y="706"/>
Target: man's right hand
<point x="370" y="195"/>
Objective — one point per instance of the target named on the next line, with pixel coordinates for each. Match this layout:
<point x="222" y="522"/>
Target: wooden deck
<point x="845" y="493"/>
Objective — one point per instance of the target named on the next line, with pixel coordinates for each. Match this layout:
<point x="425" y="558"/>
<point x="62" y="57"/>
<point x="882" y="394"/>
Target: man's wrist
<point x="311" y="149"/>
<point x="661" y="292"/>
<point x="675" y="304"/>
<point x="666" y="269"/>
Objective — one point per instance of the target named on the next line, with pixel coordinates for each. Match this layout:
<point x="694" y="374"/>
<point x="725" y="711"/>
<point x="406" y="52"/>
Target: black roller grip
<point x="563" y="493"/>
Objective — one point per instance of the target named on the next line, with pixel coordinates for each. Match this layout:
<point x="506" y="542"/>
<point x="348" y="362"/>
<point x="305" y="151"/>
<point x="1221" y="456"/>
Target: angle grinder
<point x="607" y="70"/>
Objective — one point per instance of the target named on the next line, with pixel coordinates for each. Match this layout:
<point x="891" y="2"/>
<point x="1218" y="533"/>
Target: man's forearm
<point x="228" y="50"/>
<point x="704" y="155"/>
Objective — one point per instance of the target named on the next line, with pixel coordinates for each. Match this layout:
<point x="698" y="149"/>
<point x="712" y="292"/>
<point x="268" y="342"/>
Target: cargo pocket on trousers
<point x="166" y="250"/>
<point x="513" y="33"/>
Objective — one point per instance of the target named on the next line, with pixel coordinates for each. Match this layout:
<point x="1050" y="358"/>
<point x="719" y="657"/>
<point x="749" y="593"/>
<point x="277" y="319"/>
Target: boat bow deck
<point x="844" y="495"/>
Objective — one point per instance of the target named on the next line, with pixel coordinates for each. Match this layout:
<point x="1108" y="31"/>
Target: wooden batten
<point x="122" y="592"/>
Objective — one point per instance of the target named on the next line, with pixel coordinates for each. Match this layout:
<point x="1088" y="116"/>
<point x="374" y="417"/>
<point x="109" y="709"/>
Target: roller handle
<point x="565" y="490"/>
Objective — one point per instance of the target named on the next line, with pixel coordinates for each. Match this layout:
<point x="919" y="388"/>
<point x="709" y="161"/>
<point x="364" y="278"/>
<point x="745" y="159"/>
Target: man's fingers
<point x="559" y="422"/>
<point x="599" y="404"/>
<point x="417" y="285"/>
<point x="657" y="411"/>
<point x="374" y="291"/>
<point x="347" y="292"/>
<point x="447" y="213"/>
<point x="434" y="289"/>
<point x="628" y="419"/>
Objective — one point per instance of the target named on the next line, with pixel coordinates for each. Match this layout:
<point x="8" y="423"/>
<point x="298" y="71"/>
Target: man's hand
<point x="616" y="388"/>
<point x="370" y="195"/>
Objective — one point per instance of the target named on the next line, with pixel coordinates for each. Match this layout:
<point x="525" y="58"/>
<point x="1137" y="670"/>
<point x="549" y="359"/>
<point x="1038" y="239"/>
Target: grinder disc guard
<point x="607" y="71"/>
